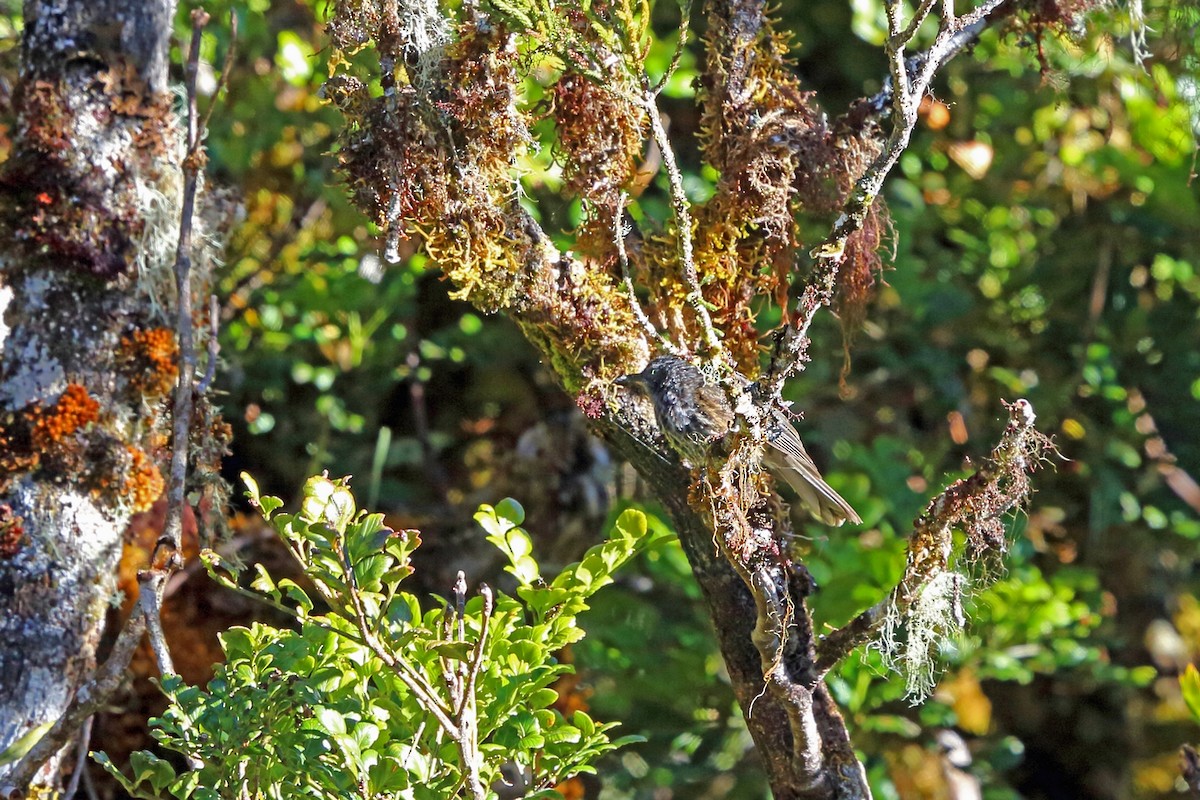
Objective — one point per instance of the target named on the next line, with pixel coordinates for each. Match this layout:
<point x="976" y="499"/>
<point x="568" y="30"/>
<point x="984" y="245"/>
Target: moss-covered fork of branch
<point x="925" y="608"/>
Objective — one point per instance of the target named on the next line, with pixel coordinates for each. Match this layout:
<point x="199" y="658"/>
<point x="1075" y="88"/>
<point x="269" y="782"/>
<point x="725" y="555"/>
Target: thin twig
<point x="172" y="535"/>
<point x="683" y="226"/>
<point x="947" y="13"/>
<point x="909" y="82"/>
<point x="915" y="23"/>
<point x="685" y="12"/>
<point x="89" y="786"/>
<point x="619" y="234"/>
<point x="81" y="751"/>
<point x="214" y="346"/>
<point x="226" y="69"/>
<point x="477" y="657"/>
<point x="151" y="584"/>
<point x="415" y="682"/>
<point x="467" y="714"/>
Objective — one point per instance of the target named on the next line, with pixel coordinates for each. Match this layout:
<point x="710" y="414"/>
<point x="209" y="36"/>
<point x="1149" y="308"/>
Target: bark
<point x="88" y="217"/>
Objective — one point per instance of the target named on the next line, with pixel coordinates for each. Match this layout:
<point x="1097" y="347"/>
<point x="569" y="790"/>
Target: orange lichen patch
<point x="75" y="409"/>
<point x="152" y="355"/>
<point x="12" y="532"/>
<point x="144" y="484"/>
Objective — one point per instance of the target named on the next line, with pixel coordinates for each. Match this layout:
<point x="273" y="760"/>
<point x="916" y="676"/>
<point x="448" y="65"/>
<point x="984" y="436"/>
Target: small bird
<point x="694" y="415"/>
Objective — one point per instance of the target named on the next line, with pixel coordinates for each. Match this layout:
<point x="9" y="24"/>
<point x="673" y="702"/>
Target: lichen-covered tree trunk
<point x="89" y="207"/>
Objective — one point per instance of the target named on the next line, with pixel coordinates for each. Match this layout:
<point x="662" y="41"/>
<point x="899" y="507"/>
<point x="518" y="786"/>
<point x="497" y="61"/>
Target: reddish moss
<point x="12" y="532"/>
<point x="600" y="135"/>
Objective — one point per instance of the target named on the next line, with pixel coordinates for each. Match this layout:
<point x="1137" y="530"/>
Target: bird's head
<point x="660" y="374"/>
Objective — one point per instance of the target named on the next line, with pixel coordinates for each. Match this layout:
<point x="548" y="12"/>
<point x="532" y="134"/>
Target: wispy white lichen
<point x="427" y="30"/>
<point x="910" y="641"/>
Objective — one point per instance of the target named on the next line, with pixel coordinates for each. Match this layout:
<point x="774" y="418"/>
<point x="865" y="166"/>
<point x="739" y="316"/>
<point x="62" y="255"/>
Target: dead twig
<point x="81" y="751"/>
<point x="168" y="549"/>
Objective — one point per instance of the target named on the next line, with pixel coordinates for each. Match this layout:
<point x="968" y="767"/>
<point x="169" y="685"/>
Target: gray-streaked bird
<point x="694" y="415"/>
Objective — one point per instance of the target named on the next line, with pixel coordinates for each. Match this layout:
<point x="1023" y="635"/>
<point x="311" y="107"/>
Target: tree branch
<point x="908" y="83"/>
<point x="169" y="547"/>
<point x="976" y="504"/>
<point x="683" y="228"/>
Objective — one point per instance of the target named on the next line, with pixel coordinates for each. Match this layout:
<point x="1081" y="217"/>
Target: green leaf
<point x="149" y="768"/>
<point x="1189" y="683"/>
<point x="296" y="595"/>
<point x="17" y="750"/>
<point x="511" y="511"/>
<point x="526" y="570"/>
<point x="305" y="692"/>
<point x="266" y="504"/>
<point x="631" y="524"/>
<point x="331" y="721"/>
<point x="264" y="583"/>
<point x="542" y="698"/>
<point x="455" y="651"/>
<point x="584" y="723"/>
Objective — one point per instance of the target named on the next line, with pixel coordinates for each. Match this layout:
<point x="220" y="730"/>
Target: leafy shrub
<point x="374" y="696"/>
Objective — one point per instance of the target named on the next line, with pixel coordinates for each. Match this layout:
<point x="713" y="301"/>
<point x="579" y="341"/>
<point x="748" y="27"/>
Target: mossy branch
<point x="975" y="505"/>
<point x="910" y="79"/>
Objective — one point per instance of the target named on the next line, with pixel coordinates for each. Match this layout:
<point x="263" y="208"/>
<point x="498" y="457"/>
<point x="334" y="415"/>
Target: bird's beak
<point x="631" y="381"/>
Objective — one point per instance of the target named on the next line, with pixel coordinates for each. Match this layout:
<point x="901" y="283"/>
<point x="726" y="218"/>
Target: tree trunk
<point x="89" y="207"/>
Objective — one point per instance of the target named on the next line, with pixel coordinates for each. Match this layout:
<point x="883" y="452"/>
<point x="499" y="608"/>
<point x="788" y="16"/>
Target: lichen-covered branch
<point x="181" y="417"/>
<point x="975" y="506"/>
<point x="683" y="229"/>
<point x="910" y="79"/>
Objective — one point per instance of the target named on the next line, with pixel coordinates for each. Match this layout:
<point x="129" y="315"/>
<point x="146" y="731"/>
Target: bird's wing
<point x="797" y="468"/>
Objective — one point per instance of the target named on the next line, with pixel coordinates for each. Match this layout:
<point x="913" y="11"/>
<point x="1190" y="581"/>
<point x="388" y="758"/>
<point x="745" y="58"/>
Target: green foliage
<point x="373" y="694"/>
<point x="651" y="659"/>
<point x="1189" y="685"/>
